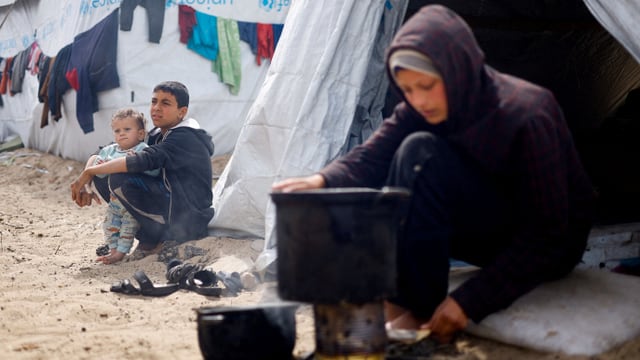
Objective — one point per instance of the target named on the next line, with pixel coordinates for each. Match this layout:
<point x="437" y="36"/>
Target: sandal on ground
<point x="193" y="277"/>
<point x="125" y="287"/>
<point x="178" y="272"/>
<point x="147" y="288"/>
<point x="103" y="250"/>
<point x="203" y="282"/>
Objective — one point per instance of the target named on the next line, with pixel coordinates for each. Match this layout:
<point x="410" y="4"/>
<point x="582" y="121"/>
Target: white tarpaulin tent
<point x="620" y="18"/>
<point x="141" y="65"/>
<point x="303" y="115"/>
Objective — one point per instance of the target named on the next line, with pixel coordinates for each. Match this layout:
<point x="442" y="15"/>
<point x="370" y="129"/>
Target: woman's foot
<point x="392" y="311"/>
<point x="398" y="317"/>
<point x="404" y="321"/>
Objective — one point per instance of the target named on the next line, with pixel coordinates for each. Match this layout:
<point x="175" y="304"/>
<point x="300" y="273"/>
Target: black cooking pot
<point x="338" y="244"/>
<point x="265" y="331"/>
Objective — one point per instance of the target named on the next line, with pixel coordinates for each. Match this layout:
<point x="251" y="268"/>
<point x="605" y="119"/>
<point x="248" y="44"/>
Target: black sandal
<point x="125" y="287"/>
<point x="147" y="288"/>
<point x="193" y="277"/>
<point x="203" y="282"/>
<point x="103" y="250"/>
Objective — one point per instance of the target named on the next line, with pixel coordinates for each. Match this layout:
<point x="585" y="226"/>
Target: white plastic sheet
<point x="620" y="18"/>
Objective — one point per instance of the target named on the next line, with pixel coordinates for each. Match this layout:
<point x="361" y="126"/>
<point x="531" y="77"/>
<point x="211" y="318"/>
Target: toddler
<point x="120" y="227"/>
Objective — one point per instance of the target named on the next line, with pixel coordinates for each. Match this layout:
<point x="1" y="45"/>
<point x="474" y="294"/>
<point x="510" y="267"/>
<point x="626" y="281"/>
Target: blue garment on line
<point x="249" y="34"/>
<point x="204" y="37"/>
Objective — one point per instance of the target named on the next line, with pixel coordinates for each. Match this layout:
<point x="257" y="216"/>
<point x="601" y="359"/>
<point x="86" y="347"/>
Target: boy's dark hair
<point x="133" y="113"/>
<point x="175" y="88"/>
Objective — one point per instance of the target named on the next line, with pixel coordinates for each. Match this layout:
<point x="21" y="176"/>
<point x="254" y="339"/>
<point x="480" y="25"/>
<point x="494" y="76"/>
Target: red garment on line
<point x="6" y="76"/>
<point x="186" y="22"/>
<point x="266" y="45"/>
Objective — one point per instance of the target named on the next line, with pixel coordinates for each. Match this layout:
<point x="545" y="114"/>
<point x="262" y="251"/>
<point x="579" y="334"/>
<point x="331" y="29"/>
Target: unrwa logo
<point x="267" y="5"/>
<point x="86" y="6"/>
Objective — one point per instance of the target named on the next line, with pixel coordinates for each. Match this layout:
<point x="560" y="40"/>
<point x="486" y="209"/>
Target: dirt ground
<point x="55" y="301"/>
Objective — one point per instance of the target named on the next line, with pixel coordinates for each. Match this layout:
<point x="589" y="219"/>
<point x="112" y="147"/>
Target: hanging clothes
<point x="155" y="16"/>
<point x="93" y="68"/>
<point x="6" y="75"/>
<point x="249" y="34"/>
<point x="58" y="84"/>
<point x="34" y="59"/>
<point x="43" y="73"/>
<point x="265" y="42"/>
<point x="227" y="65"/>
<point x="19" y="67"/>
<point x="204" y="38"/>
<point x="43" y="94"/>
<point x="2" y="65"/>
<point x="277" y="32"/>
<point x="186" y="22"/>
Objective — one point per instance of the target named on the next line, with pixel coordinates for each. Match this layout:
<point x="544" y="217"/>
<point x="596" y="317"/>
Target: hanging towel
<point x="155" y="16"/>
<point x="93" y="65"/>
<point x="204" y="38"/>
<point x="227" y="65"/>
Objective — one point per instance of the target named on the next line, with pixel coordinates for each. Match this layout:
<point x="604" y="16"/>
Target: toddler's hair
<point x="133" y="113"/>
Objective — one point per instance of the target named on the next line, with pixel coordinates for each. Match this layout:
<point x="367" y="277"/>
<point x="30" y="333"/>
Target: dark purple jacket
<point x="184" y="156"/>
<point x="513" y="129"/>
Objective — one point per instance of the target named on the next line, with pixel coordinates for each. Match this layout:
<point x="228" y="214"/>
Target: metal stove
<point x="336" y="251"/>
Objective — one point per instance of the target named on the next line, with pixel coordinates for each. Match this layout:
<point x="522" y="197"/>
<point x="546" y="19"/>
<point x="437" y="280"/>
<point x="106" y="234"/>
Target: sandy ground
<point x="55" y="301"/>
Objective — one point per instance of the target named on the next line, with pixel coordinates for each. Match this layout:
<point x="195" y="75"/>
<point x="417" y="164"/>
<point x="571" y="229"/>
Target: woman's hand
<point x="315" y="181"/>
<point x="448" y="319"/>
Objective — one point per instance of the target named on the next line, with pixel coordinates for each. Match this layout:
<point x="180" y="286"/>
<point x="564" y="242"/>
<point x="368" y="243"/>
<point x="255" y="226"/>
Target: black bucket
<point x="338" y="244"/>
<point x="266" y="331"/>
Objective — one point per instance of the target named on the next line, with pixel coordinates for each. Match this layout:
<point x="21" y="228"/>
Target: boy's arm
<point x="118" y="165"/>
<point x="78" y="191"/>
